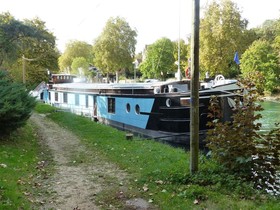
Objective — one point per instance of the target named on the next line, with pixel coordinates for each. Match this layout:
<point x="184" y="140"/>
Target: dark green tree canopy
<point x="32" y="39"/>
<point x="114" y="49"/>
<point x="159" y="59"/>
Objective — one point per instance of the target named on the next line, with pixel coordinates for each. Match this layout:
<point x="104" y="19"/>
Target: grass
<point x="18" y="159"/>
<point x="160" y="173"/>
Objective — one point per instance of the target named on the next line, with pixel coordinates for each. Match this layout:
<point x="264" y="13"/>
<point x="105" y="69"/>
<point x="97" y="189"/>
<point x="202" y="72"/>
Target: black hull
<point x="178" y="139"/>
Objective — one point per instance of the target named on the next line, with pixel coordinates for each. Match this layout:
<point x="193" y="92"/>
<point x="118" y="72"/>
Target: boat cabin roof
<point x="141" y="88"/>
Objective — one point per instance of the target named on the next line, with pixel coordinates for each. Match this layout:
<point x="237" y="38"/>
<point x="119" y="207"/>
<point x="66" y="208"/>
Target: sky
<point x="84" y="20"/>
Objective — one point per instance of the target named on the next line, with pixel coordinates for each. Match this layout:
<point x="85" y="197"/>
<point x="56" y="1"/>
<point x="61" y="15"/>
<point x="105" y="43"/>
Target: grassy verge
<point x="18" y="159"/>
<point x="160" y="173"/>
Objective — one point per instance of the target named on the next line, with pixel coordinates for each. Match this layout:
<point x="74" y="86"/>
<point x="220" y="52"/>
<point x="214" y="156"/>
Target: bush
<point x="16" y="104"/>
<point x="238" y="145"/>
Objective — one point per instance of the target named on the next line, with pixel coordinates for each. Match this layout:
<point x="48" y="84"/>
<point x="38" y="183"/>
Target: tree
<point x="16" y="104"/>
<point x="222" y="34"/>
<point x="261" y="57"/>
<point x="31" y="39"/>
<point x="43" y="52"/>
<point x="114" y="49"/>
<point x="75" y="49"/>
<point x="159" y="60"/>
<point x="79" y="63"/>
<point x="269" y="30"/>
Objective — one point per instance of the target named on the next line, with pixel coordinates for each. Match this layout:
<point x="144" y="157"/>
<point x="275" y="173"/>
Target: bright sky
<point x="153" y="19"/>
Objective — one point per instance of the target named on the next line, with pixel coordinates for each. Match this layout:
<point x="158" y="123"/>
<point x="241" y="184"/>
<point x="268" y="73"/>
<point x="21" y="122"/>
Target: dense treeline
<point x="223" y="32"/>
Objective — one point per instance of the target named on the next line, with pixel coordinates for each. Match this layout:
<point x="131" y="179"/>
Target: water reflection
<point x="270" y="115"/>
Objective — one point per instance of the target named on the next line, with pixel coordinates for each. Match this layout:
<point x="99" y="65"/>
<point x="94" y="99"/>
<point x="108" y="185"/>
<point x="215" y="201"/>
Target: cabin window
<point x="137" y="109"/>
<point x="77" y="101"/>
<point x="86" y="101"/>
<point x="65" y="98"/>
<point x="127" y="107"/>
<point x="111" y="105"/>
<point x="56" y="96"/>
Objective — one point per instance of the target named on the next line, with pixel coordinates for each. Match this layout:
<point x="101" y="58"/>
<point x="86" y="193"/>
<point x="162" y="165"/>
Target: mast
<point x="179" y="78"/>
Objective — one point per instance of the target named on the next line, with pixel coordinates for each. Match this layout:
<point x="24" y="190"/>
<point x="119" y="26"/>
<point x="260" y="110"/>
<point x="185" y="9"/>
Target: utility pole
<point x="194" y="127"/>
<point x="23" y="70"/>
<point x="23" y="67"/>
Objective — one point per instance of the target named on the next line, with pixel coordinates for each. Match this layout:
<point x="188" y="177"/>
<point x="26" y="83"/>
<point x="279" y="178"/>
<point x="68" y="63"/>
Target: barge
<point x="156" y="110"/>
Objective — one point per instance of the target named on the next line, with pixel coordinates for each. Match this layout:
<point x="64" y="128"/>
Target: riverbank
<point x="158" y="174"/>
<point x="273" y="97"/>
<point x="87" y="165"/>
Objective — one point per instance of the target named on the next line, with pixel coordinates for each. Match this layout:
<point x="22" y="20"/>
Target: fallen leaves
<point x="2" y="165"/>
<point x="196" y="202"/>
<point x="145" y="188"/>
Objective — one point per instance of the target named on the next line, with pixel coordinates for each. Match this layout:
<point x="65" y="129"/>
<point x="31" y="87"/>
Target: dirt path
<point x="75" y="182"/>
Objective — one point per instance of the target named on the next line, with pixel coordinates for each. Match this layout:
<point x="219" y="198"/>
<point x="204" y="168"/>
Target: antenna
<point x="179" y="70"/>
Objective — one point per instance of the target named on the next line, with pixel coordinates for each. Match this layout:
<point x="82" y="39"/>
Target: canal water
<point x="270" y="115"/>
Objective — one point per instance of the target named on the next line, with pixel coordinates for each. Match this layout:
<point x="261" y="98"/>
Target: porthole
<point x="137" y="109"/>
<point x="127" y="107"/>
<point x="168" y="102"/>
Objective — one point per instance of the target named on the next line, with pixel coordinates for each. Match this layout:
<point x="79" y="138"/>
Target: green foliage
<point x="114" y="49"/>
<point x="79" y="66"/>
<point x="16" y="105"/>
<point x="223" y="32"/>
<point x="238" y="145"/>
<point x="31" y="39"/>
<point x="75" y="49"/>
<point x="269" y="30"/>
<point x="159" y="60"/>
<point x="261" y="57"/>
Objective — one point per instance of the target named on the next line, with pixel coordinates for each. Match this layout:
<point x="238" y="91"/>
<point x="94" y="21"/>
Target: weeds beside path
<point x="78" y="173"/>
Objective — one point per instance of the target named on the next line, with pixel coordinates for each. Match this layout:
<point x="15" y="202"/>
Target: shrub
<point x="16" y="104"/>
<point x="238" y="145"/>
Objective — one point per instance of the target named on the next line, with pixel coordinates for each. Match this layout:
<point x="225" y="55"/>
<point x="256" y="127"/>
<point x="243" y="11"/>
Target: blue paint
<point x="122" y="115"/>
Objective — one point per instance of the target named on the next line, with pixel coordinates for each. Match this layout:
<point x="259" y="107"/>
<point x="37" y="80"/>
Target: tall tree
<point x="261" y="57"/>
<point x="31" y="39"/>
<point x="43" y="53"/>
<point x="114" y="49"/>
<point x="75" y="49"/>
<point x="159" y="59"/>
<point x="222" y="34"/>
<point x="12" y="32"/>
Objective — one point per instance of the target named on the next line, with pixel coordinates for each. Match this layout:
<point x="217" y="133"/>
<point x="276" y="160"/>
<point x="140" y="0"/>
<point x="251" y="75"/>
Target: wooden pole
<point x="24" y="67"/>
<point x="23" y="70"/>
<point x="194" y="128"/>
